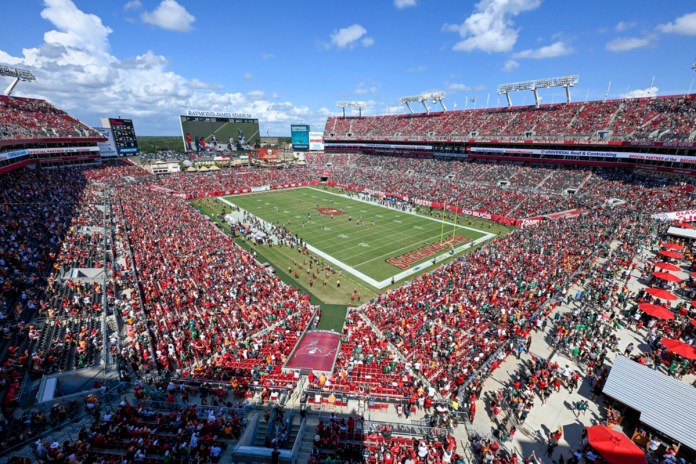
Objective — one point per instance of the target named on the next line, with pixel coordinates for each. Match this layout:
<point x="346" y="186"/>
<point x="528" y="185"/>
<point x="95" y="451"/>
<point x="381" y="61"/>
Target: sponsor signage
<point x="57" y="151"/>
<point x="380" y="145"/>
<point x="441" y="154"/>
<point x="13" y="154"/>
<point x="687" y="215"/>
<point x="588" y="154"/>
<point x="217" y="114"/>
<point x="316" y="141"/>
<point x="300" y="136"/>
<point x="108" y="147"/>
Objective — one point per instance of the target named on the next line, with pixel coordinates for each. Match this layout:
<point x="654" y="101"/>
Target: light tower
<point x="351" y="104"/>
<point x="566" y="82"/>
<point x="435" y="97"/>
<point x="18" y="75"/>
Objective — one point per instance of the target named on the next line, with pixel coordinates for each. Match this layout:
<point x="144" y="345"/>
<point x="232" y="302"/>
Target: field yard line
<point x="427" y="264"/>
<point x="395" y="230"/>
<point x="327" y="257"/>
<point x="402" y="211"/>
<point x="366" y="237"/>
<point x="392" y="253"/>
<point x="401" y="275"/>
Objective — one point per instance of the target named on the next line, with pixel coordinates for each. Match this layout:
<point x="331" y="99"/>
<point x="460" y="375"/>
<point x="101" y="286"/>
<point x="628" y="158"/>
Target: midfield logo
<point x="330" y="211"/>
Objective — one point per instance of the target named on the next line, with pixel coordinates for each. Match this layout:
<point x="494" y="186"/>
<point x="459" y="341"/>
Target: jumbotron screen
<point x="124" y="135"/>
<point x="230" y="131"/>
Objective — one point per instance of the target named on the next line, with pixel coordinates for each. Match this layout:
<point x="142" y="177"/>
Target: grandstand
<point x="135" y="329"/>
<point x="653" y="131"/>
<point x="35" y="132"/>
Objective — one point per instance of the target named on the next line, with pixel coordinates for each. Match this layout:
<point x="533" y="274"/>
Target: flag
<point x="473" y="99"/>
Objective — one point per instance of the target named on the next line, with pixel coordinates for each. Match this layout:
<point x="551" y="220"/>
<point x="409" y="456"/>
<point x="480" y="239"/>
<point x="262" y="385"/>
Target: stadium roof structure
<point x="18" y="74"/>
<point x="565" y="81"/>
<point x="435" y="97"/>
<point x="351" y="104"/>
<point x="666" y="404"/>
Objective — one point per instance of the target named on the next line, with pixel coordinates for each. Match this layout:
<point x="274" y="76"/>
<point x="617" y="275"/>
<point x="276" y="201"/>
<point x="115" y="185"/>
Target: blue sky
<point x="289" y="62"/>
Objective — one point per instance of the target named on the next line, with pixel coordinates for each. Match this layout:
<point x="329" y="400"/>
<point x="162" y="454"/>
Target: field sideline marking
<point x="397" y="277"/>
<point x="316" y="251"/>
<point x="402" y="211"/>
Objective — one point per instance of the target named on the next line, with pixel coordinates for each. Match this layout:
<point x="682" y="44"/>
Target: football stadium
<point x="489" y="285"/>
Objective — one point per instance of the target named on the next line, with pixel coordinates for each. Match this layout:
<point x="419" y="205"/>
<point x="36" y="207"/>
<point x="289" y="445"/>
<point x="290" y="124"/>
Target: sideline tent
<point x="672" y="246"/>
<point x="666" y="404"/>
<point x="614" y="446"/>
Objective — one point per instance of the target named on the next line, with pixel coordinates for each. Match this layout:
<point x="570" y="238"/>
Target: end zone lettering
<point x="404" y="261"/>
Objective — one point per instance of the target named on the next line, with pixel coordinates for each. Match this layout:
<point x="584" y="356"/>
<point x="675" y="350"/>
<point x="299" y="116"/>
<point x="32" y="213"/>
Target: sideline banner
<point x="686" y="215"/>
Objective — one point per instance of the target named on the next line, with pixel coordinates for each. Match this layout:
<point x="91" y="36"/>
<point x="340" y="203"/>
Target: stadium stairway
<point x="538" y="186"/>
<point x="305" y="450"/>
<point x="514" y="208"/>
<point x="584" y="181"/>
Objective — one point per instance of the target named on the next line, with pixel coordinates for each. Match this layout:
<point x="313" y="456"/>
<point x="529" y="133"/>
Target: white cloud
<point x="684" y="25"/>
<point x="76" y="71"/>
<point x="133" y="5"/>
<point x="348" y="37"/>
<point x="364" y="88"/>
<point x="417" y="69"/>
<point x="510" y="65"/>
<point x="640" y="93"/>
<point x="490" y="28"/>
<point x="170" y="15"/>
<point x="401" y="4"/>
<point x="623" y="44"/>
<point x="267" y="56"/>
<point x="554" y="50"/>
<point x="624" y="26"/>
<point x="248" y="76"/>
<point x="457" y="87"/>
<point x="197" y="84"/>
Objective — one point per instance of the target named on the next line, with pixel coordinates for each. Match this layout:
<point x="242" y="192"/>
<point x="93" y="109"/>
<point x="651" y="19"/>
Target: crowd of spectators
<point x="205" y="298"/>
<point x="200" y="308"/>
<point x="141" y="433"/>
<point x="347" y="441"/>
<point x="639" y="119"/>
<point x="27" y="118"/>
<point x="508" y="190"/>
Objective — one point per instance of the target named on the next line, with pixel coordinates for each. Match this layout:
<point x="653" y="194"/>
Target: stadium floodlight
<point x="18" y="75"/>
<point x="565" y="81"/>
<point x="435" y="97"/>
<point x="351" y="104"/>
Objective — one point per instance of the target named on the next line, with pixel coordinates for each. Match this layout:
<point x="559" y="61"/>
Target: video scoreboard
<point x="123" y="135"/>
<point x="219" y="131"/>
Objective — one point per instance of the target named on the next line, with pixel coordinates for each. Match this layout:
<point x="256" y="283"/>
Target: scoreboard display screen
<point x="218" y="131"/>
<point x="124" y="136"/>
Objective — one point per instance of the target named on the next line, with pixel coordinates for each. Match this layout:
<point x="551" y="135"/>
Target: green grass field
<point x="361" y="249"/>
<point x="333" y="300"/>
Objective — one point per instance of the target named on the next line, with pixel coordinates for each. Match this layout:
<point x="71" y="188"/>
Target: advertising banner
<point x="300" y="136"/>
<point x="316" y="141"/>
<point x="107" y="148"/>
<point x="687" y="215"/>
<point x="588" y="154"/>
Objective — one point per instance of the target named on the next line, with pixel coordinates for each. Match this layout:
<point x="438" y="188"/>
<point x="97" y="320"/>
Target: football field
<point x="372" y="242"/>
